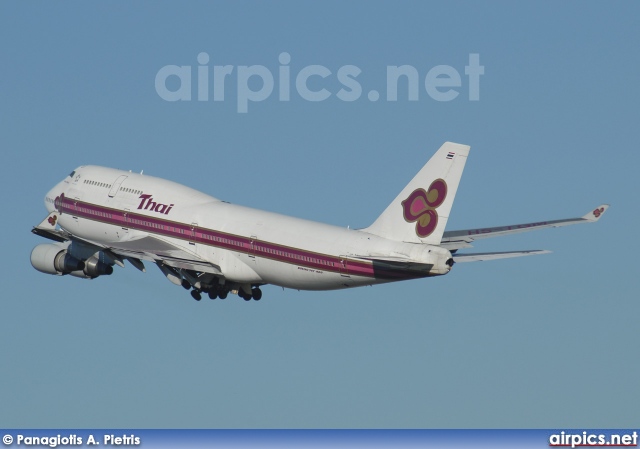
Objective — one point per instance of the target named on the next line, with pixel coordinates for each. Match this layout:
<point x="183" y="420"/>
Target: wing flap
<point x="157" y="250"/>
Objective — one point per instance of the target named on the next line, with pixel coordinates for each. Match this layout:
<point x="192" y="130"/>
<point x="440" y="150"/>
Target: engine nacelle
<point x="93" y="267"/>
<point x="51" y="258"/>
<point x="54" y="258"/>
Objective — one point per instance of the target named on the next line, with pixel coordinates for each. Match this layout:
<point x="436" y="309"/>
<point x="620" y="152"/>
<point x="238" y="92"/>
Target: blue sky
<point x="546" y="341"/>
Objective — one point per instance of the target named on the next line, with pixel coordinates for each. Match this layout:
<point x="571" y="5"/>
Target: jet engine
<point x="54" y="258"/>
<point x="94" y="267"/>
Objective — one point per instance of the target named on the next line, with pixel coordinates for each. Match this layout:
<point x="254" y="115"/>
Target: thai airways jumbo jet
<point x="100" y="217"/>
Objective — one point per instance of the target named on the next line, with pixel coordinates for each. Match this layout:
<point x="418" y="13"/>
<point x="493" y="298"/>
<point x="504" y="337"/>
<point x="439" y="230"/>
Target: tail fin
<point x="420" y="213"/>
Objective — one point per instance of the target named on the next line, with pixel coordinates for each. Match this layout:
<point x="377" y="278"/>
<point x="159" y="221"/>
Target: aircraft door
<point x="252" y="247"/>
<point x="344" y="268"/>
<point x="69" y="214"/>
<point x="193" y="235"/>
<point x="116" y="185"/>
<point x="124" y="231"/>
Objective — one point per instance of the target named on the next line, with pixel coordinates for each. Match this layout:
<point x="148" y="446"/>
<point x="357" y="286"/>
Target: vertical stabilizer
<point x="420" y="212"/>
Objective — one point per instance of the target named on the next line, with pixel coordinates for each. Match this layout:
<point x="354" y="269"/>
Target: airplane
<point x="100" y="217"/>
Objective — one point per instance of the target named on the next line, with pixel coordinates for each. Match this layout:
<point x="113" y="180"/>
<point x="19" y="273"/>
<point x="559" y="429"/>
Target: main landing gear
<point x="220" y="291"/>
<point x="256" y="294"/>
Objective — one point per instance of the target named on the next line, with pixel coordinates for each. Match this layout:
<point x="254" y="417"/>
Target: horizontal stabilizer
<point x="479" y="257"/>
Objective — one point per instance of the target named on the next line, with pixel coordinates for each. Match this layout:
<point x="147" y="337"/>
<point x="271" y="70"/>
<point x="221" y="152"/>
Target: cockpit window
<point x="72" y="173"/>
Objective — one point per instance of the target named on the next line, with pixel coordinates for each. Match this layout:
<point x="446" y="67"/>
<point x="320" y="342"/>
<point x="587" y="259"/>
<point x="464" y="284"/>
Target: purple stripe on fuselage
<point x="237" y="243"/>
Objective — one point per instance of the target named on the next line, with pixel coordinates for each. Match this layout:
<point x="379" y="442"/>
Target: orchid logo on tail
<point x="421" y="206"/>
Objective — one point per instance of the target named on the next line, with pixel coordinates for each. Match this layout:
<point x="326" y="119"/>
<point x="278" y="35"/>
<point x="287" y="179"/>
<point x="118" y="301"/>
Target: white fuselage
<point x="113" y="208"/>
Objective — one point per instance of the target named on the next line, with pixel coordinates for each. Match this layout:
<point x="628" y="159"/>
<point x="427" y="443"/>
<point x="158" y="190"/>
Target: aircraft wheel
<point x="196" y="295"/>
<point x="243" y="295"/>
<point x="185" y="284"/>
<point x="223" y="294"/>
<point x="257" y="294"/>
<point x="213" y="294"/>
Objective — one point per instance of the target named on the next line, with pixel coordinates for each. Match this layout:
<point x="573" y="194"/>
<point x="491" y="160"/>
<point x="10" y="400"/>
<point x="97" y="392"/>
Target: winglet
<point x="596" y="213"/>
<point x="47" y="228"/>
<point x="50" y="222"/>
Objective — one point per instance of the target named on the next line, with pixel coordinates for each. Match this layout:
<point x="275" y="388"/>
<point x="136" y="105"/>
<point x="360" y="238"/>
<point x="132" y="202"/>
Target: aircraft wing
<point x="158" y="250"/>
<point x="454" y="240"/>
<point x="148" y="248"/>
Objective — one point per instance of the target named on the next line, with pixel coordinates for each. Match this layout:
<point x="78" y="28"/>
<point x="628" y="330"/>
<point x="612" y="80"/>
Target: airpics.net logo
<point x="314" y="83"/>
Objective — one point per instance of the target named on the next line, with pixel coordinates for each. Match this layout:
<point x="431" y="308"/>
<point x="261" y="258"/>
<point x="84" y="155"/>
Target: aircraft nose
<point x="48" y="202"/>
<point x="50" y="197"/>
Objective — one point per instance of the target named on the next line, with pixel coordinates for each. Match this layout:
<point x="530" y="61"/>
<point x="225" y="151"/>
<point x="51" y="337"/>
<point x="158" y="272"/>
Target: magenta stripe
<point x="212" y="238"/>
<point x="219" y="239"/>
